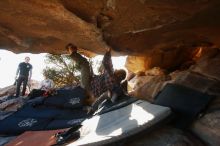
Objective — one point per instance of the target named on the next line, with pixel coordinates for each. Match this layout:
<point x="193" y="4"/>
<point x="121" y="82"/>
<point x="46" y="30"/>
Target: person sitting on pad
<point x="45" y="89"/>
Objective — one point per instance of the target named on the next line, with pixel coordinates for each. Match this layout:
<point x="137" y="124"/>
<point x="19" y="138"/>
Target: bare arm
<point x="17" y="73"/>
<point x="107" y="62"/>
<point x="30" y="75"/>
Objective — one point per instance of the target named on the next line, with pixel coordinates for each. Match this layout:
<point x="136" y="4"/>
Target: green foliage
<point x="61" y="69"/>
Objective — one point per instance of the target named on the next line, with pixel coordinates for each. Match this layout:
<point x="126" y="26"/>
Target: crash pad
<point x="43" y="118"/>
<point x="35" y="138"/>
<point x="67" y="98"/>
<point x="186" y="103"/>
<point x="62" y="110"/>
<point x="121" y="123"/>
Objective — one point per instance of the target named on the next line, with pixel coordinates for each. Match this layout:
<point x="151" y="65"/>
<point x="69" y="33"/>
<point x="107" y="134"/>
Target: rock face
<point x="165" y="136"/>
<point x="147" y="85"/>
<point x="204" y="76"/>
<point x="166" y="33"/>
<point x="208" y="128"/>
<point x="209" y="65"/>
<point x="44" y="26"/>
<point x="7" y="91"/>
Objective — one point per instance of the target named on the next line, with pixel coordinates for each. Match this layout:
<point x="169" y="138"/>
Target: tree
<point x="61" y="69"/>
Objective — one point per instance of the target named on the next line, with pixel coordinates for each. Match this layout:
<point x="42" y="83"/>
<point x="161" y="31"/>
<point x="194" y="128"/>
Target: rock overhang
<point x="160" y="31"/>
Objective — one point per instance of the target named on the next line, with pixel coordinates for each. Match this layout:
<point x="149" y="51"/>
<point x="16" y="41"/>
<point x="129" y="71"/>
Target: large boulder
<point x="150" y="88"/>
<point x="136" y="64"/>
<point x="147" y="85"/>
<point x="165" y="33"/>
<point x="193" y="80"/>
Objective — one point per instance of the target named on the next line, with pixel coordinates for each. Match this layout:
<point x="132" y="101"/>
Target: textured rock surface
<point x="9" y="90"/>
<point x="44" y="26"/>
<point x="136" y="64"/>
<point x="195" y="81"/>
<point x="202" y="77"/>
<point x="148" y="84"/>
<point x="208" y="128"/>
<point x="165" y="32"/>
<point x="166" y="136"/>
<point x="209" y="65"/>
<point x="150" y="88"/>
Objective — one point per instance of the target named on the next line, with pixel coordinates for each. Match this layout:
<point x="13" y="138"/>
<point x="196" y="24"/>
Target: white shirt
<point x="46" y="84"/>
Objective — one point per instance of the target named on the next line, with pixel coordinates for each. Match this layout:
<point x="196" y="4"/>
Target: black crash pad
<point x="185" y="102"/>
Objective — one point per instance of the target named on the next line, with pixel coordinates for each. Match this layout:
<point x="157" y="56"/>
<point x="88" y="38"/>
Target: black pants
<point x="21" y="80"/>
<point x="36" y="93"/>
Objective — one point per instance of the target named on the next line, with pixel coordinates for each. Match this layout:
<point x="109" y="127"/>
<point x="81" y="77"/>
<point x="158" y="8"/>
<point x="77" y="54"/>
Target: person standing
<point x="25" y="72"/>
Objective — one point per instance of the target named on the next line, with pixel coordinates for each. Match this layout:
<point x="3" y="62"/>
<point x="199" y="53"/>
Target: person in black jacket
<point x="25" y="72"/>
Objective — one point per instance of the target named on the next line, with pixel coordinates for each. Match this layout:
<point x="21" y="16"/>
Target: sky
<point x="9" y="62"/>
